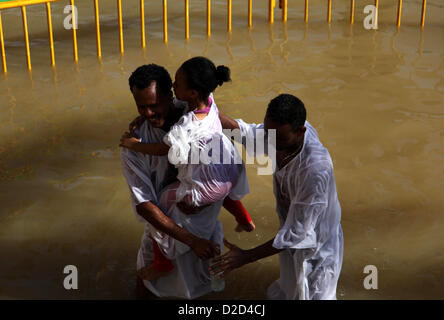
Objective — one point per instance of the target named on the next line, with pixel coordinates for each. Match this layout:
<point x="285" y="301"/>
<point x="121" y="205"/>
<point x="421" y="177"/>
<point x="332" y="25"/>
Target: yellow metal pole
<point x="306" y="11"/>
<point x="96" y="14"/>
<point x="329" y="12"/>
<point x="377" y="12"/>
<point x="19" y="3"/>
<point x="51" y="39"/>
<point x="250" y="13"/>
<point x="208" y="18"/>
<point x="165" y="22"/>
<point x="271" y="11"/>
<point x="229" y="16"/>
<point x="119" y="14"/>
<point x="25" y="28"/>
<point x="424" y="4"/>
<point x="352" y="11"/>
<point x="142" y="23"/>
<point x="187" y="19"/>
<point x="2" y="44"/>
<point x="284" y="11"/>
<point x="74" y="33"/>
<point x="398" y="22"/>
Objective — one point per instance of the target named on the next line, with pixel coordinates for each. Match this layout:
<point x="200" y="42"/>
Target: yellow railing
<point x="271" y="5"/>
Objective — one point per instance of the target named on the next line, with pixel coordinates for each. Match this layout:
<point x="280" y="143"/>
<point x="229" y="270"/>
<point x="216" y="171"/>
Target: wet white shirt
<point x="147" y="176"/>
<point x="190" y="139"/>
<point x="309" y="213"/>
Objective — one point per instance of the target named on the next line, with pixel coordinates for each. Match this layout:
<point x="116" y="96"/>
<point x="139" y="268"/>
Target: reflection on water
<point x="375" y="98"/>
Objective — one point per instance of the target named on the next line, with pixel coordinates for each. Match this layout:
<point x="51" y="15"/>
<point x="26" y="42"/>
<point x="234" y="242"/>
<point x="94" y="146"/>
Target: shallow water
<point x="375" y="98"/>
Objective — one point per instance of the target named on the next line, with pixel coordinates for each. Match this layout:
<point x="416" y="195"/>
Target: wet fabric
<point x="309" y="213"/>
<point x="149" y="179"/>
<point x="198" y="149"/>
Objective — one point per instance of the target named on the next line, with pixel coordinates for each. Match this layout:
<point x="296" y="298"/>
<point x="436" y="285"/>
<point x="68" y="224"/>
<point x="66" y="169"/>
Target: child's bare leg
<point x="151" y="273"/>
<point x="243" y="218"/>
<point x="245" y="227"/>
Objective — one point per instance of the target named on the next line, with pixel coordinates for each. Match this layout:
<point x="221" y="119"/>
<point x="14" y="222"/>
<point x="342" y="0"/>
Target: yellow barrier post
<point x="284" y="11"/>
<point x="119" y="14"/>
<point x="229" y="16"/>
<point x="306" y="11"/>
<point x="424" y="4"/>
<point x="142" y="23"/>
<point x="352" y="11"/>
<point x="2" y="44"/>
<point x="96" y="14"/>
<point x="74" y="33"/>
<point x="19" y="3"/>
<point x="329" y="12"/>
<point x="398" y="22"/>
<point x="187" y="19"/>
<point x="271" y="11"/>
<point x="250" y="13"/>
<point x="208" y="18"/>
<point x="25" y="29"/>
<point x="165" y="22"/>
<point x="51" y="39"/>
<point x="377" y="13"/>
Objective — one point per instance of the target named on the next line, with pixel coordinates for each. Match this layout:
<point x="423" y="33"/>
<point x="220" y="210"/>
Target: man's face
<point x="286" y="138"/>
<point x="152" y="104"/>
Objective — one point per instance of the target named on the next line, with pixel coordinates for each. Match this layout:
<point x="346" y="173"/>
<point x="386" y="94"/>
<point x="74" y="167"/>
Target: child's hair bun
<point x="223" y="74"/>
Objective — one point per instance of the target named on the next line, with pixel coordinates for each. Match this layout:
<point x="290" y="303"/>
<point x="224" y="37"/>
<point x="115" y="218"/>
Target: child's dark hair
<point x="203" y="76"/>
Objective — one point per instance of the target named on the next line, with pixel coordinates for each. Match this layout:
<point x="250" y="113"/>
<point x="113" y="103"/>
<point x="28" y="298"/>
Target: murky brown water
<point x="376" y="99"/>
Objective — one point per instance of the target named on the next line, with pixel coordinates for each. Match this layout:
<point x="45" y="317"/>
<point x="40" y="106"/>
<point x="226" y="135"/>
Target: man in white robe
<point x="309" y="240"/>
<point x="188" y="240"/>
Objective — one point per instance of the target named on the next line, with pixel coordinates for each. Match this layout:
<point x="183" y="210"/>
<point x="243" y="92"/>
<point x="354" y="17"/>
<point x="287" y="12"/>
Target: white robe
<point x="193" y="142"/>
<point x="147" y="176"/>
<point x="309" y="214"/>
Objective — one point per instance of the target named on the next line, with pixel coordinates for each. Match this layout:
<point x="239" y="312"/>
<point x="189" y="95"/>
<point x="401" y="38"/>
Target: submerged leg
<point x="161" y="266"/>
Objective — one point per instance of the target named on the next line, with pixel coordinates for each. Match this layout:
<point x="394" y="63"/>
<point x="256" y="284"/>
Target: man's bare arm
<point x="227" y="122"/>
<point x="262" y="251"/>
<point x="203" y="248"/>
<point x="237" y="257"/>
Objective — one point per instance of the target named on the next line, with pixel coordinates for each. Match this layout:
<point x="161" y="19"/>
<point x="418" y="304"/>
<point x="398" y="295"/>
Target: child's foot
<point x="150" y="273"/>
<point x="245" y="227"/>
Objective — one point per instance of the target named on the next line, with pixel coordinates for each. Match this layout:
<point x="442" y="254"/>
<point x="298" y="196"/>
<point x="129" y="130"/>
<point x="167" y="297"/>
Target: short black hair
<point x="203" y="76"/>
<point x="144" y="75"/>
<point x="287" y="109"/>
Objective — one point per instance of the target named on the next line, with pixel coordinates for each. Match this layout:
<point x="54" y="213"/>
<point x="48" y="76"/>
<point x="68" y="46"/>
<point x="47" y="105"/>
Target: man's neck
<point x="285" y="156"/>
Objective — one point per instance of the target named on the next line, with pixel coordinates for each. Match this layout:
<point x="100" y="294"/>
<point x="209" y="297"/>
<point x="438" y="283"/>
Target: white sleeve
<point x="298" y="230"/>
<point x="138" y="177"/>
<point x="249" y="131"/>
<point x="241" y="188"/>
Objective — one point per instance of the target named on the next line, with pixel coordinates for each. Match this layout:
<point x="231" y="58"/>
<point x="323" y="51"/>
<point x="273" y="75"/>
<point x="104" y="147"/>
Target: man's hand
<point x="128" y="141"/>
<point x="136" y="123"/>
<point x="205" y="249"/>
<point x="233" y="259"/>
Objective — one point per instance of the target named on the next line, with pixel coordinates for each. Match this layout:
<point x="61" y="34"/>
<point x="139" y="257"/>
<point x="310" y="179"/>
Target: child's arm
<point x="154" y="149"/>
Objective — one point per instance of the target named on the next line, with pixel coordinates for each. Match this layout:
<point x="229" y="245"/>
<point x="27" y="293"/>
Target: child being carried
<point x="199" y="184"/>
